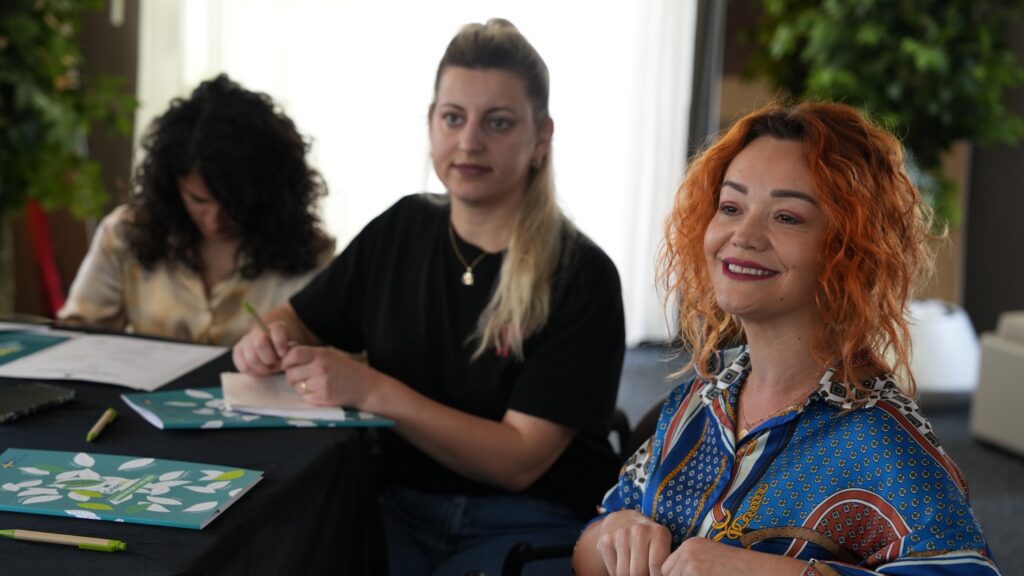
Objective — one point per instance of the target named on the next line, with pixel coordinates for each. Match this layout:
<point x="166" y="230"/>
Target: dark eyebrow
<point x="783" y="193"/>
<point x="734" y="185"/>
<point x="776" y="193"/>
<point x="452" y="105"/>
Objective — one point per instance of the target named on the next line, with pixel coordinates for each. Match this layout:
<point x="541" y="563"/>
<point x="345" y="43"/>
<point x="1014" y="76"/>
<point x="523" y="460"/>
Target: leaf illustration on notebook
<point x="128" y="489"/>
<point x="205" y="408"/>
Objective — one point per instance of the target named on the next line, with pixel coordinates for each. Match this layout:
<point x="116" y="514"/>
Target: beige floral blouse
<point x="113" y="291"/>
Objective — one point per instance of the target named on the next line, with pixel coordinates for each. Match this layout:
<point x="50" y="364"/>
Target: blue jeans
<point x="451" y="535"/>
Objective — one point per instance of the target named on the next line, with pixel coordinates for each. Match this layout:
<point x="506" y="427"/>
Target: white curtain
<point x="357" y="77"/>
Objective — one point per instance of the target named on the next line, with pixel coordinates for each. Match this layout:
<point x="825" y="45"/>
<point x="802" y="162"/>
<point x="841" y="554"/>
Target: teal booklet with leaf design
<point x="193" y="408"/>
<point x="16" y="344"/>
<point x="119" y="488"/>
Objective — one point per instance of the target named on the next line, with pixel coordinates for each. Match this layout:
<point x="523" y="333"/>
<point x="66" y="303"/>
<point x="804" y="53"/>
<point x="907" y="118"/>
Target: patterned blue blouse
<point x="865" y="491"/>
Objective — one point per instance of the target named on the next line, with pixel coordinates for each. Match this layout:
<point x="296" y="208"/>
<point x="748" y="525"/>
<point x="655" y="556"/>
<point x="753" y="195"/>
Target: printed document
<point x="121" y="360"/>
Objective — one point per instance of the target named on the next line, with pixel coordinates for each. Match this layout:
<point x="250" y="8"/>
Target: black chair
<point x="628" y="441"/>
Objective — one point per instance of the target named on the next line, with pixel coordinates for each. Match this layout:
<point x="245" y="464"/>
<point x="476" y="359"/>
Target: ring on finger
<point x="303" y="386"/>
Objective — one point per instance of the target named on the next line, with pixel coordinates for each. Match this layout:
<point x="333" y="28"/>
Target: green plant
<point x="47" y="107"/>
<point x="934" y="71"/>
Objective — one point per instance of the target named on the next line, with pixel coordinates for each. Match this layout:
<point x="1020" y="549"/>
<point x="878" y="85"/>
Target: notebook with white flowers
<point x="119" y="488"/>
<point x="205" y="408"/>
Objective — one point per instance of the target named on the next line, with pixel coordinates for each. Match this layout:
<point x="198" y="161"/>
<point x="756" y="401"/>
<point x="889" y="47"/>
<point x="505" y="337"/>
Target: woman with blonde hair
<point x="798" y="236"/>
<point x="493" y="330"/>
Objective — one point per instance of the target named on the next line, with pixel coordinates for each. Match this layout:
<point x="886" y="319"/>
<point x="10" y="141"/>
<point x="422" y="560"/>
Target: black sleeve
<point x="572" y="368"/>
<point x="331" y="305"/>
<point x="335" y="304"/>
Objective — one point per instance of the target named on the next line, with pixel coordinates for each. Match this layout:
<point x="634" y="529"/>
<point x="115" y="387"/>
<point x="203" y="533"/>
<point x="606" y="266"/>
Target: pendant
<point x="467" y="277"/>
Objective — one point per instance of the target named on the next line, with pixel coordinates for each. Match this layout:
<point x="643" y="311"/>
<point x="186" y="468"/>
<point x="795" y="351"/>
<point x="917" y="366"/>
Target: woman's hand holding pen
<point x="326" y="376"/>
<point x="260" y="351"/>
<point x="321" y="375"/>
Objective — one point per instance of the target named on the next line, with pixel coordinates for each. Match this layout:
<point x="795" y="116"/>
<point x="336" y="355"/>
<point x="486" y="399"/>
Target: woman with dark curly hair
<point x="799" y="234"/>
<point x="224" y="211"/>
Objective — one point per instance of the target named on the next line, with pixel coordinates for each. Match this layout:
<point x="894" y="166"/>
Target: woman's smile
<point x="745" y="270"/>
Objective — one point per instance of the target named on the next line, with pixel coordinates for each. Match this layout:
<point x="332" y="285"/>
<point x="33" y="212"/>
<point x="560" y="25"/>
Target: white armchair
<point x="946" y="350"/>
<point x="997" y="412"/>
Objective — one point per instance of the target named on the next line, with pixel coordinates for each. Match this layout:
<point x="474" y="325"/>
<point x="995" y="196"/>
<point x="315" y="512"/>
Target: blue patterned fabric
<point x="864" y="491"/>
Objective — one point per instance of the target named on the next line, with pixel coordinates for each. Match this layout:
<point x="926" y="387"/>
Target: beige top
<point x="113" y="291"/>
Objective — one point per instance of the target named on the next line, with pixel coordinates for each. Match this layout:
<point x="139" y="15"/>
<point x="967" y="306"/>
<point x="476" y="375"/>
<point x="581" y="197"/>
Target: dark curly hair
<point x="253" y="161"/>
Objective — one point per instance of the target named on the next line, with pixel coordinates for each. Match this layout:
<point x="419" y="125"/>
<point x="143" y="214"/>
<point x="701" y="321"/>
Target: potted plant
<point x="934" y="71"/>
<point x="47" y="107"/>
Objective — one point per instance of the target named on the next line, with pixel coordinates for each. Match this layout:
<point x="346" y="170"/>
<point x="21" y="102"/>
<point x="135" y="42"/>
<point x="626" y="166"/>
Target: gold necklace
<point x="747" y="427"/>
<point x="467" y="276"/>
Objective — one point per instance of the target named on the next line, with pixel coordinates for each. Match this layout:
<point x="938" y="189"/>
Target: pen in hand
<point x="83" y="542"/>
<point x="259" y="321"/>
<point x="108" y="416"/>
<point x="263" y="327"/>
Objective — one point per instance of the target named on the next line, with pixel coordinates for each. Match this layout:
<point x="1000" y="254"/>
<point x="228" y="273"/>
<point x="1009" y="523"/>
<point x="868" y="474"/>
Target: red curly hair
<point x="876" y="248"/>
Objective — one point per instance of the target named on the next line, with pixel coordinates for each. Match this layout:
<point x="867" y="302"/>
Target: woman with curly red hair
<point x="796" y="239"/>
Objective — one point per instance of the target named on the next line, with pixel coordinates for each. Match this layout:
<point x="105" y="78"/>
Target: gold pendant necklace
<point x="467" y="276"/>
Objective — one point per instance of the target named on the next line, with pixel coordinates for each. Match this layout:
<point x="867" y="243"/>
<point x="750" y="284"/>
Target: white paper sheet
<point x="120" y="360"/>
<point x="19" y="327"/>
<point x="271" y="396"/>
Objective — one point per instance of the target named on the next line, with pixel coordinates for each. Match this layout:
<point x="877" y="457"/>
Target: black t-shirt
<point x="396" y="292"/>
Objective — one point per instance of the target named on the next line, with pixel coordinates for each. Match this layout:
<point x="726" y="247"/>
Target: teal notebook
<point x="119" y="488"/>
<point x="18" y="344"/>
<point x="204" y="408"/>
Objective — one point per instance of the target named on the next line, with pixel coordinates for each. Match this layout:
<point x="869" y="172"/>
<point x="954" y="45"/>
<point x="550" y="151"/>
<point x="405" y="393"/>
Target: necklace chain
<point x="747" y="426"/>
<point x="467" y="277"/>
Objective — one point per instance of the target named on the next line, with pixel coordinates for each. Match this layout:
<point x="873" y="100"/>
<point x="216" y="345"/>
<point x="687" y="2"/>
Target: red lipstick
<point x="745" y="270"/>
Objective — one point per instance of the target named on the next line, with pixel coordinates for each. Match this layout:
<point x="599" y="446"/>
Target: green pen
<point x="108" y="416"/>
<point x="83" y="542"/>
<point x="263" y="325"/>
<point x="252" y="312"/>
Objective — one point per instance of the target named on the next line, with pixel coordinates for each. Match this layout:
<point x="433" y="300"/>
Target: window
<point x="357" y="78"/>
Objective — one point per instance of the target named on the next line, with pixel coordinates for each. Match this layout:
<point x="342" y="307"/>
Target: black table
<point x="314" y="512"/>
